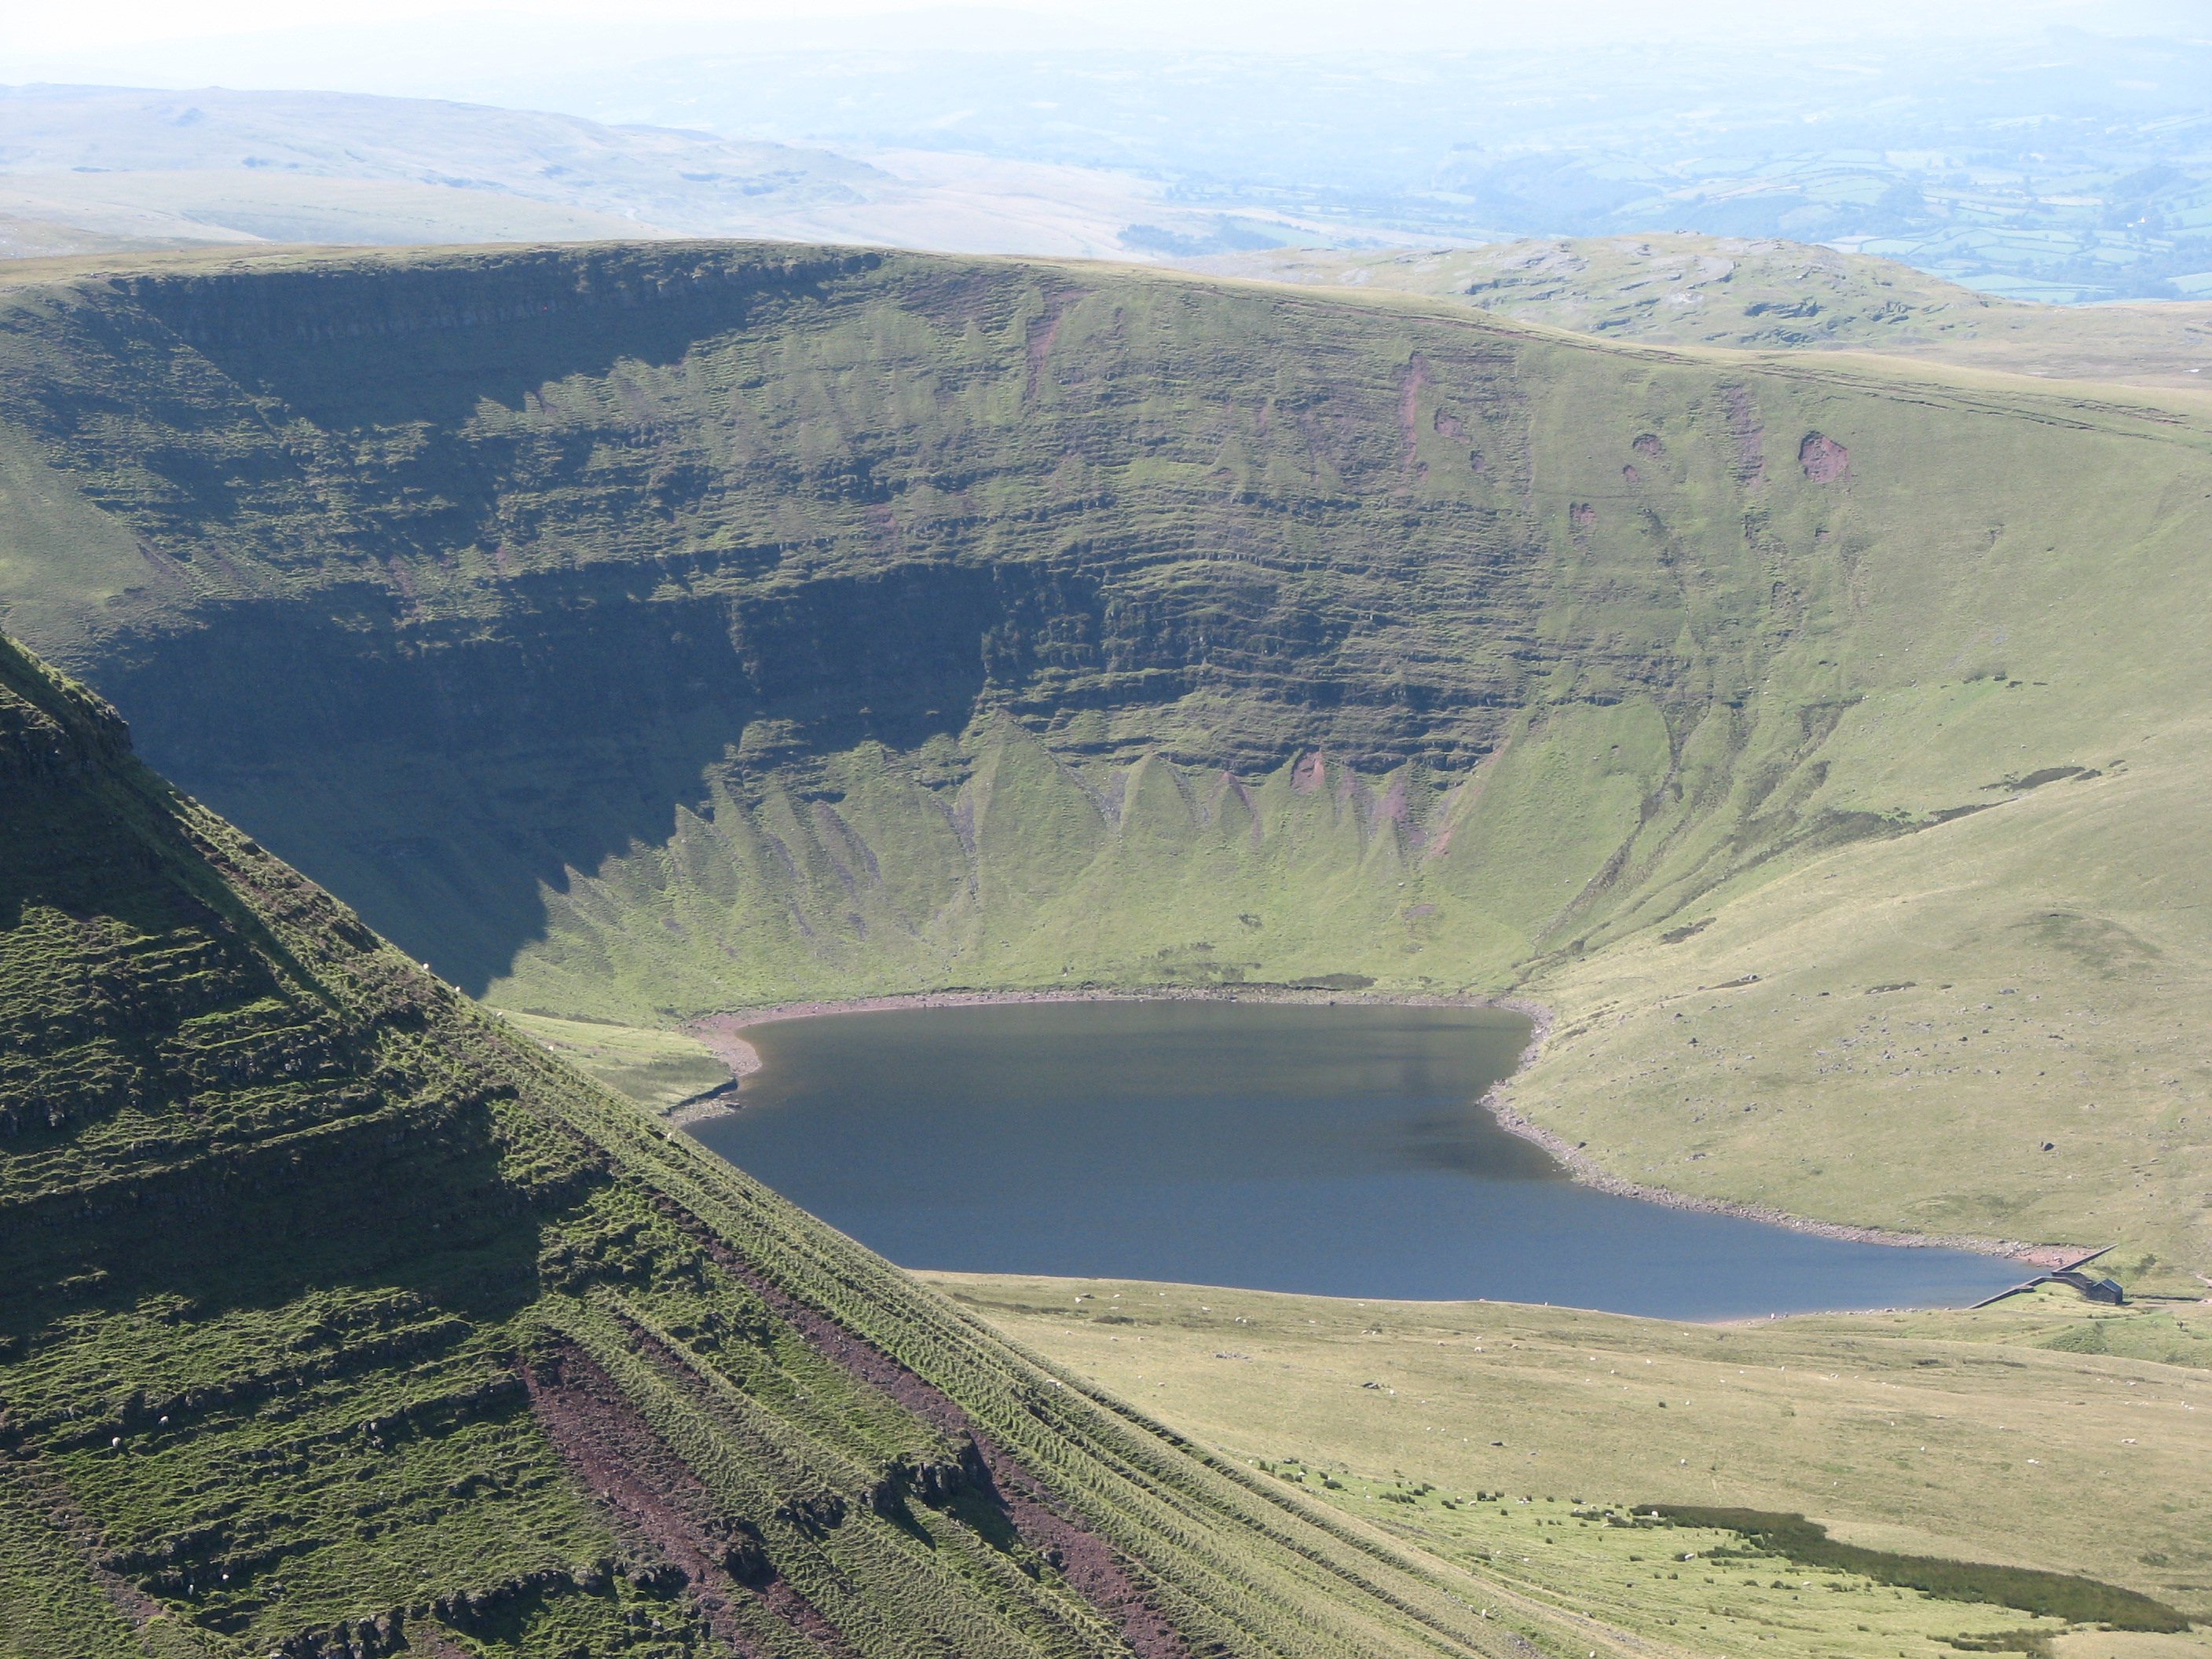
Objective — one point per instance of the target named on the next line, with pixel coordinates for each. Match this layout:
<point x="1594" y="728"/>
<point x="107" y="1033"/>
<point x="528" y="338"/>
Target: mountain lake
<point x="1334" y="1150"/>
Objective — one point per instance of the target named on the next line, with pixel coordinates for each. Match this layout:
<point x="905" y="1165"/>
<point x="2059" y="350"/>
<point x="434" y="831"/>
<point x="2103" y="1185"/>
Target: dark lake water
<point x="1337" y="1150"/>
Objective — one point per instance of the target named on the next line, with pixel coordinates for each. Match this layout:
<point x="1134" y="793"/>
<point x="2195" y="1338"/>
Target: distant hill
<point x="237" y="166"/>
<point x="108" y="169"/>
<point x="112" y="211"/>
<point x="1750" y="294"/>
<point x="2065" y="165"/>
<point x="24" y="237"/>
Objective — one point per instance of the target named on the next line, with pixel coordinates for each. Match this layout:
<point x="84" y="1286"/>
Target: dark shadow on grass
<point x="2055" y="1595"/>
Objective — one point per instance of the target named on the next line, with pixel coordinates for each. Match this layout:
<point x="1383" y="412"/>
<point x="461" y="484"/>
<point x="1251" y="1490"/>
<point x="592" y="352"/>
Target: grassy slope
<point x="2044" y="1018"/>
<point x="1683" y="290"/>
<point x="659" y="1070"/>
<point x="341" y="1319"/>
<point x="713" y="626"/>
<point x="1973" y="1436"/>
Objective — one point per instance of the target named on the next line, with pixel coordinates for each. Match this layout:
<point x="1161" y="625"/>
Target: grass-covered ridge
<point x="1762" y="293"/>
<point x="636" y="633"/>
<point x="339" y="1319"/>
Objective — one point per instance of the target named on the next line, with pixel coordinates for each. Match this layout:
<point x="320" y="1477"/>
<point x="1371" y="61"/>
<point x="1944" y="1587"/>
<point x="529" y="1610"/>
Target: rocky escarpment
<point x="338" y="1323"/>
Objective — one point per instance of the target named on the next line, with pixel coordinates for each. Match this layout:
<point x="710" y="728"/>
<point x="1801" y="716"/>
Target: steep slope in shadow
<point x="338" y="1321"/>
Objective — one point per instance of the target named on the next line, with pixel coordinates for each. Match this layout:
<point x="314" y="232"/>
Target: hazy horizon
<point x="482" y="53"/>
<point x="2056" y="150"/>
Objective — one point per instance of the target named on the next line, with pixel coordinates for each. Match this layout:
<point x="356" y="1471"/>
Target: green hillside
<point x="1674" y="288"/>
<point x="1762" y="294"/>
<point x="1964" y="1437"/>
<point x="341" y="1322"/>
<point x="639" y="632"/>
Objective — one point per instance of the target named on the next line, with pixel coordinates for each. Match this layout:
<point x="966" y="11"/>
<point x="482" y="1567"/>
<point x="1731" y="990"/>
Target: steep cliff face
<point x="340" y="1322"/>
<point x="637" y="632"/>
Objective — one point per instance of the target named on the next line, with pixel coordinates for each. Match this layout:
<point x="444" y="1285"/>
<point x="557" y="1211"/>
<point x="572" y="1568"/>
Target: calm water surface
<point x="1337" y="1150"/>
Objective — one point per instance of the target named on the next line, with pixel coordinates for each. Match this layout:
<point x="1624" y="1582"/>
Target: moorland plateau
<point x="638" y="632"/>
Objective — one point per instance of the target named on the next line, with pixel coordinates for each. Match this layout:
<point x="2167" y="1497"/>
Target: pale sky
<point x="36" y="25"/>
<point x="87" y="28"/>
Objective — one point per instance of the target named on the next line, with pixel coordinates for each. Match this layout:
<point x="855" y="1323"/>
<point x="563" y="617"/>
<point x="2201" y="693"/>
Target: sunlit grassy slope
<point x="338" y="1320"/>
<point x="2025" y="983"/>
<point x="639" y="632"/>
<point x="661" y="1070"/>
<point x="1760" y="294"/>
<point x="2042" y="1433"/>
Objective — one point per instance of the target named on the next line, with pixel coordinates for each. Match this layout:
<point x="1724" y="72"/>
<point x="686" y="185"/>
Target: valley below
<point x="646" y="637"/>
<point x="669" y="628"/>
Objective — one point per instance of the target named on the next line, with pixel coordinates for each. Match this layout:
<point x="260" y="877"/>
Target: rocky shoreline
<point x="719" y="1032"/>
